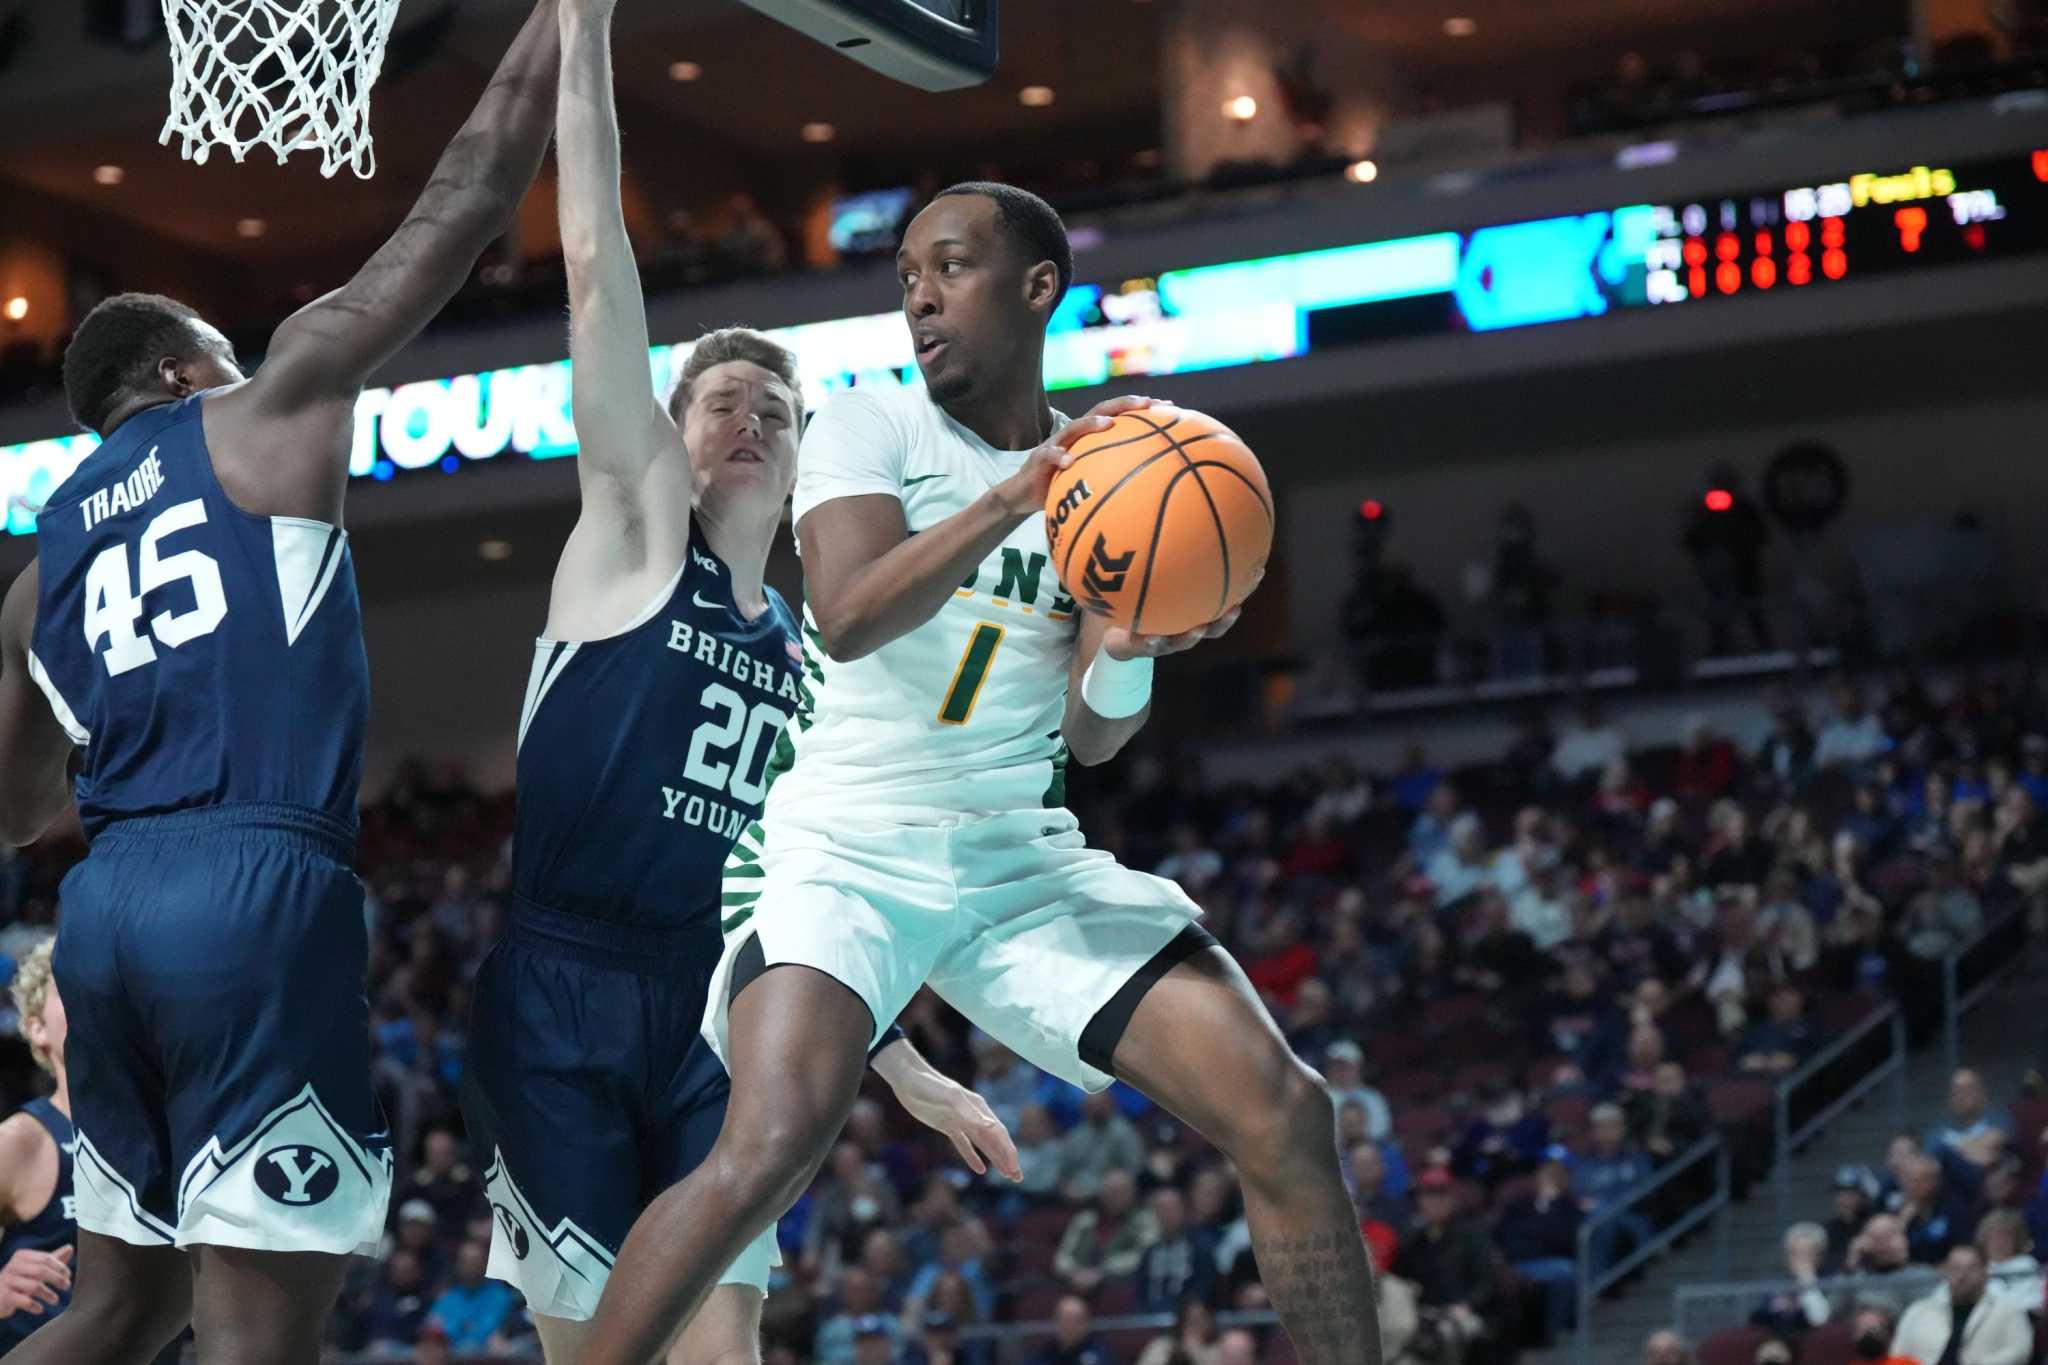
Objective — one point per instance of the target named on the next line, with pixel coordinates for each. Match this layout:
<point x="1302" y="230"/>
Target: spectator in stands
<point x="1464" y="867"/>
<point x="1193" y="1339"/>
<point x="1073" y="1336"/>
<point x="419" y="1232"/>
<point x="1669" y="1118"/>
<point x="1446" y="1257"/>
<point x="1498" y="958"/>
<point x="1666" y="1347"/>
<point x="1430" y="832"/>
<point x="1001" y="1078"/>
<point x="2008" y="1251"/>
<point x="1707" y="764"/>
<point x="1637" y="947"/>
<point x="1622" y="801"/>
<point x="877" y="1340"/>
<point x="1785" y="923"/>
<point x="1735" y="965"/>
<point x="1416" y="778"/>
<point x="1963" y="1324"/>
<point x="1287" y="959"/>
<point x="890" y="1270"/>
<point x="1853" y="735"/>
<point x="858" y="1301"/>
<point x="1505" y="1138"/>
<point x="1344" y="1077"/>
<point x="937" y="1342"/>
<point x="1366" y="1172"/>
<point x="1192" y="863"/>
<point x="1871" y="819"/>
<point x="1583" y="1024"/>
<point x="1108" y="1241"/>
<point x="1589" y="745"/>
<point x="1605" y="1177"/>
<point x="1238" y="1347"/>
<point x="1181" y="1261"/>
<point x="1525" y="767"/>
<point x="1974" y="1131"/>
<point x="1541" y="907"/>
<point x="1802" y="1306"/>
<point x="961" y="1249"/>
<point x="1934" y="1210"/>
<point x="1945" y="915"/>
<point x="398" y="1305"/>
<point x="1311" y="1025"/>
<point x="1782" y="1041"/>
<point x="852" y="1201"/>
<point x="1103" y="1141"/>
<point x="2022" y="837"/>
<point x="444" y="1181"/>
<point x="1736" y="855"/>
<point x="1539" y="1235"/>
<point x="1786" y="754"/>
<point x="474" y="1310"/>
<point x="1880" y="1249"/>
<point x="1855" y="1198"/>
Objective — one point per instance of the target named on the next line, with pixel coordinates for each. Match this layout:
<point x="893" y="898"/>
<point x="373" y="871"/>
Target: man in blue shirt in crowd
<point x="1605" y="1177"/>
<point x="473" y="1309"/>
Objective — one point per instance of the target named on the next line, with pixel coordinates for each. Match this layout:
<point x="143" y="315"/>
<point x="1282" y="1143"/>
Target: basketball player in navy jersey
<point x="39" y="1237"/>
<point x="654" y="712"/>
<point x="191" y="635"/>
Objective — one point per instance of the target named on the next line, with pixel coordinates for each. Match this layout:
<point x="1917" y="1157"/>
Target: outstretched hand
<point x="945" y="1106"/>
<point x="34" y="1280"/>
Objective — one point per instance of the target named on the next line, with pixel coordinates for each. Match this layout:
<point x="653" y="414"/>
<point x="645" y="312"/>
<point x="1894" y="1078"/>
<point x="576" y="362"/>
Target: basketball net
<point x="290" y="75"/>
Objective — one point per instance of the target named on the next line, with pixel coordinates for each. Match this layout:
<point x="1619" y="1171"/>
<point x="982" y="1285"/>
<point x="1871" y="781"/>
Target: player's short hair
<point x="31" y="991"/>
<point x="115" y="349"/>
<point x="736" y="343"/>
<point x="1032" y="225"/>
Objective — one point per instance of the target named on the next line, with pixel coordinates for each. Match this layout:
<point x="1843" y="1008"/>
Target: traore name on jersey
<point x="199" y="654"/>
<point x="643" y="755"/>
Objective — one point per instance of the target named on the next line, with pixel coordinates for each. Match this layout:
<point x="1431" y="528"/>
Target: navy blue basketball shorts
<point x="589" y="1080"/>
<point x="211" y="963"/>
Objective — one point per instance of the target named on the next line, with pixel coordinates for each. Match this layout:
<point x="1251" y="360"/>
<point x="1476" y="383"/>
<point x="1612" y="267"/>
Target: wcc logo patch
<point x="297" y="1175"/>
<point x="515" y="1233"/>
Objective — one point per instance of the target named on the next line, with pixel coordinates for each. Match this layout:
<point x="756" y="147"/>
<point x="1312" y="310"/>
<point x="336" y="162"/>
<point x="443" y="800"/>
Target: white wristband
<point x="1116" y="688"/>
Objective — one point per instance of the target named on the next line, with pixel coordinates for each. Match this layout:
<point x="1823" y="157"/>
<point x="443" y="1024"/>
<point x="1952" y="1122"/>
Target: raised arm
<point x="321" y="356"/>
<point x="35" y="752"/>
<point x="635" y="475"/>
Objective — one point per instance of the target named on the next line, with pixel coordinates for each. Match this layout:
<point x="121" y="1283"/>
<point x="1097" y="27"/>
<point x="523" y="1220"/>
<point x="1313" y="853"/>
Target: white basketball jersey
<point x="962" y="715"/>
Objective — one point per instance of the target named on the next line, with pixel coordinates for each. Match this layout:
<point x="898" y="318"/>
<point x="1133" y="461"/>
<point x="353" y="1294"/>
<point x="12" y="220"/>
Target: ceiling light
<point x="684" y="71"/>
<point x="819" y="132"/>
<point x="1035" y="96"/>
<point x="17" y="308"/>
<point x="1458" y="26"/>
<point x="494" y="550"/>
<point x="1242" y="109"/>
<point x="250" y="227"/>
<point x="1362" y="172"/>
<point x="108" y="175"/>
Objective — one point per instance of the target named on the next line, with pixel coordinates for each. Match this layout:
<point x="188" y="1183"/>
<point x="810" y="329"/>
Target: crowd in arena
<point x="1529" y="985"/>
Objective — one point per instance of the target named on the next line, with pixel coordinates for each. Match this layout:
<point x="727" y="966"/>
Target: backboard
<point x="932" y="44"/>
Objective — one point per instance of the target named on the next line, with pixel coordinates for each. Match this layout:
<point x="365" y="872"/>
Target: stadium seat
<point x="1732" y="1346"/>
<point x="1832" y="1343"/>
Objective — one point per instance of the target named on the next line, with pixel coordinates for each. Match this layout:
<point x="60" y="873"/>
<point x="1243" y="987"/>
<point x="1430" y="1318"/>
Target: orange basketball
<point x="1161" y="522"/>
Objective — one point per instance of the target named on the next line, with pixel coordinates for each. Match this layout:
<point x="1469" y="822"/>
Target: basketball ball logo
<point x="1057" y="515"/>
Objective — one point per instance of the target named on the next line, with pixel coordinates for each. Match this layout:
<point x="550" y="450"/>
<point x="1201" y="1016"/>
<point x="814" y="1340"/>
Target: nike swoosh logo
<point x="922" y="478"/>
<point x="698" y="598"/>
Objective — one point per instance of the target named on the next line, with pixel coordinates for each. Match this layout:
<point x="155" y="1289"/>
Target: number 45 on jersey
<point x="113" y="599"/>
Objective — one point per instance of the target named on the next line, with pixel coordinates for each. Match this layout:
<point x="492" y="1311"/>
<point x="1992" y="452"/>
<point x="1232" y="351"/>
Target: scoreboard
<point x="1791" y="240"/>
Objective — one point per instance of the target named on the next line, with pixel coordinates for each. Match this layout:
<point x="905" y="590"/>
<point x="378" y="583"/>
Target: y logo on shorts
<point x="296" y="1175"/>
<point x="521" y="1243"/>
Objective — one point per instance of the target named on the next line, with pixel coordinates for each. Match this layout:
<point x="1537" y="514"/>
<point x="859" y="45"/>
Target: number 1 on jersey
<point x="972" y="673"/>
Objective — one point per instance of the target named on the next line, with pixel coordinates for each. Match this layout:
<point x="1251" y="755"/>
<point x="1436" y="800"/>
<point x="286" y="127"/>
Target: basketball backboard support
<point x="931" y="44"/>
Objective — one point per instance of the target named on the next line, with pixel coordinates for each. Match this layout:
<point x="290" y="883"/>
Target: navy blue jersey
<point x="643" y="755"/>
<point x="51" y="1229"/>
<point x="201" y="655"/>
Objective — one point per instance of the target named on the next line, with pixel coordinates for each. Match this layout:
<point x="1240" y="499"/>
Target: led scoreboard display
<point x="1790" y="240"/>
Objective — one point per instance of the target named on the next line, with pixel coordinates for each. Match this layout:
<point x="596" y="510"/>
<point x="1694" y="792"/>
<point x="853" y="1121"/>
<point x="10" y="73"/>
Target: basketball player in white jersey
<point x="919" y="835"/>
<point x="659" y="694"/>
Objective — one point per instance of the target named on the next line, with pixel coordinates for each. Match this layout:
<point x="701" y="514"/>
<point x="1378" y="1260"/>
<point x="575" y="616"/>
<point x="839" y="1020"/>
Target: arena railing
<point x="1803" y="1102"/>
<point x="1973" y="970"/>
<point x="1699" y="1310"/>
<point x="1592" y="1283"/>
